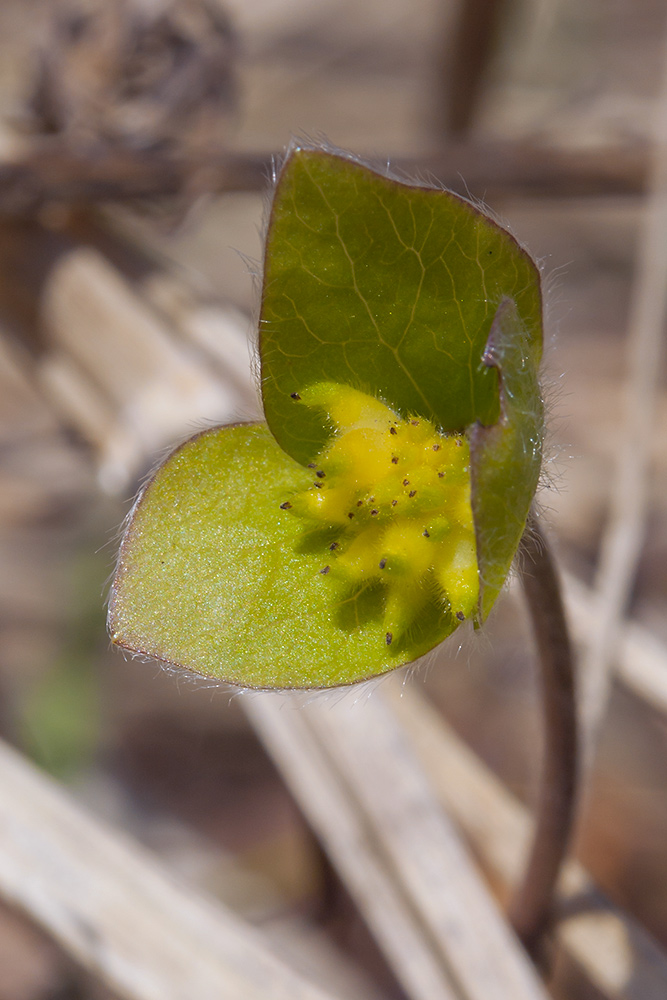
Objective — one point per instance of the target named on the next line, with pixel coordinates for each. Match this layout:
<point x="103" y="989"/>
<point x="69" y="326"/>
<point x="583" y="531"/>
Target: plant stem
<point x="530" y="909"/>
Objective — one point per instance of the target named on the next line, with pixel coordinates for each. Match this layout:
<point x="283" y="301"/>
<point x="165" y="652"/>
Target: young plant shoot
<point x="383" y="501"/>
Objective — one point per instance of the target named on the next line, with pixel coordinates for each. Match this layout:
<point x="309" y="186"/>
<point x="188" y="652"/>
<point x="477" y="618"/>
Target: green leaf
<point x="388" y="288"/>
<point x="506" y="458"/>
<point x="214" y="576"/>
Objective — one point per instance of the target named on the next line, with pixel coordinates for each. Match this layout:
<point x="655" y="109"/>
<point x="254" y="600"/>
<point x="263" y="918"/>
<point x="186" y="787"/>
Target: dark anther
<point x="359" y="503"/>
<point x="412" y="493"/>
<point x="406" y="482"/>
<point x="295" y="395"/>
<point x="388" y="638"/>
<point x="319" y="485"/>
<point x="311" y="465"/>
<point x="441" y="475"/>
<point x="459" y="443"/>
<point x="320" y="474"/>
<point x="373" y="512"/>
<point x="392" y="430"/>
<point x="382" y="563"/>
<point x="436" y="447"/>
<point x="394" y="502"/>
<point x="334" y="545"/>
<point x="285" y="506"/>
<point x="350" y="515"/>
<point x="325" y="570"/>
<point x="461" y="617"/>
<point x="415" y="423"/>
<point x="426" y="533"/>
<point x="394" y="459"/>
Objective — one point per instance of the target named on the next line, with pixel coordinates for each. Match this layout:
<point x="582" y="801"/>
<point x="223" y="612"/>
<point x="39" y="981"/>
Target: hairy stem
<point x="530" y="909"/>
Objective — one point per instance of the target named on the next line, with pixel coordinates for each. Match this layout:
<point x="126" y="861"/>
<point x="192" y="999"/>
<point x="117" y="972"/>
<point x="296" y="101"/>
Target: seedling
<point x="382" y="502"/>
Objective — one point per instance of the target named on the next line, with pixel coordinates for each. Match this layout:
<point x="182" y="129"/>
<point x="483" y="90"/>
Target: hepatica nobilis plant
<point x="383" y="500"/>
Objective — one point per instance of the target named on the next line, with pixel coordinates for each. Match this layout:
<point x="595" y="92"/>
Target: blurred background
<point x="136" y="148"/>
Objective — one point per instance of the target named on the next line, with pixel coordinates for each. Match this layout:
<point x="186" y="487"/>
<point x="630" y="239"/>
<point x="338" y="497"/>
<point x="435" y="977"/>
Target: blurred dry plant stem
<point x="625" y="531"/>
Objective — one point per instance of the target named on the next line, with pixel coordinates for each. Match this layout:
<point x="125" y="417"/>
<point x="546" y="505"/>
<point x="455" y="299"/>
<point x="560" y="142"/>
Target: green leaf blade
<point x="386" y="287"/>
<point x="215" y="577"/>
